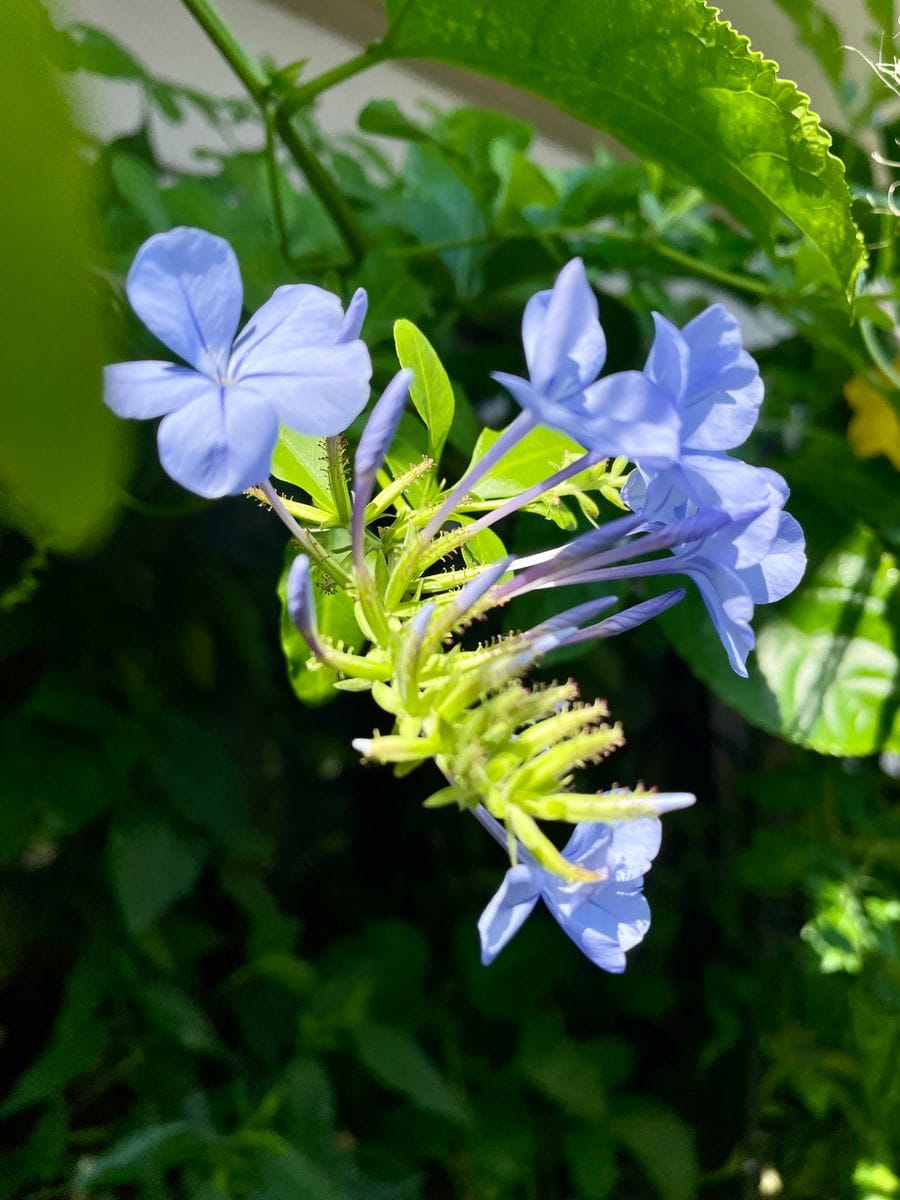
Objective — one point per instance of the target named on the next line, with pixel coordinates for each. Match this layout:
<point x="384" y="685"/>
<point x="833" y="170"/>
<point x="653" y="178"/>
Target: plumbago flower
<point x="298" y="362"/>
<point x="605" y="916"/>
<point x="741" y="549"/>
<point x="509" y="752"/>
<point x="565" y="349"/>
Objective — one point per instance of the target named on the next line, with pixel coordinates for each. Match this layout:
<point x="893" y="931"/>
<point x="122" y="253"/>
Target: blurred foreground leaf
<point x="60" y="450"/>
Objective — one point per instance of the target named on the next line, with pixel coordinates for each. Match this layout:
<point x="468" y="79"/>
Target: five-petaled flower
<point x="565" y="349"/>
<point x="298" y="362"/>
<point x="604" y="918"/>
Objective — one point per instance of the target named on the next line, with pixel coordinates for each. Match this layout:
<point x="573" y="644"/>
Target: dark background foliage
<point x="237" y="964"/>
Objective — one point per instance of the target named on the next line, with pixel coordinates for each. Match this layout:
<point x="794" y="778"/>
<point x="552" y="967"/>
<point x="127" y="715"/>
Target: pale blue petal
<point x="326" y="389"/>
<point x="564" y="343"/>
<point x="604" y="953"/>
<point x="523" y="394"/>
<point x="509" y="909"/>
<point x="735" y="487"/>
<point x="667" y="362"/>
<point x="628" y="907"/>
<point x="588" y="845"/>
<point x="627" y="414"/>
<point x="729" y="604"/>
<point x="614" y="920"/>
<point x="596" y="934"/>
<point x="152" y="389"/>
<point x="635" y="844"/>
<point x="185" y="285"/>
<point x="354" y="317"/>
<point x="278" y="335"/>
<point x="301" y="604"/>
<point x="221" y="444"/>
<point x="783" y="566"/>
<point x="724" y="389"/>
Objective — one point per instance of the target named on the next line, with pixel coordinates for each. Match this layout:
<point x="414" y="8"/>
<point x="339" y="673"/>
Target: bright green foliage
<point x="827" y="660"/>
<point x="672" y="82"/>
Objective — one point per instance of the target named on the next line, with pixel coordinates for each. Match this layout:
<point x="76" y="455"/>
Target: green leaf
<point x="592" y="1161"/>
<point x="100" y="54"/>
<point x="300" y="459"/>
<point x="522" y="183"/>
<point x="431" y="391"/>
<point x="138" y="186"/>
<point x="442" y="207"/>
<point x="174" y="1011"/>
<point x="152" y="865"/>
<point x="61" y="452"/>
<point x="76" y="1043"/>
<point x="129" y="1159"/>
<point x="672" y="83"/>
<point x="398" y="1062"/>
<point x="385" y="118"/>
<point x="664" y="1148"/>
<point x="826" y="669"/>
<point x="538" y="455"/>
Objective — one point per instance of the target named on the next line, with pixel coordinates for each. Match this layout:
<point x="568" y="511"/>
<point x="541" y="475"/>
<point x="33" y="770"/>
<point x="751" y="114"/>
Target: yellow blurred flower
<point x="875" y="426"/>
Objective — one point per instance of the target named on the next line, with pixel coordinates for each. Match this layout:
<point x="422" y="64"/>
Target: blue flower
<point x="297" y="362"/>
<point x="565" y="348"/>
<point x="605" y="918"/>
<point x="710" y="378"/>
<point x="731" y="592"/>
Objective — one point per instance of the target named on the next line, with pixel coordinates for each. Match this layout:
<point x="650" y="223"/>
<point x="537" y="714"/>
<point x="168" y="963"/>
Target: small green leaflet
<point x="431" y="392"/>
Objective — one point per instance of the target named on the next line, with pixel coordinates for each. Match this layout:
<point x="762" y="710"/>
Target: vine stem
<point x="310" y="546"/>
<point x="258" y="84"/>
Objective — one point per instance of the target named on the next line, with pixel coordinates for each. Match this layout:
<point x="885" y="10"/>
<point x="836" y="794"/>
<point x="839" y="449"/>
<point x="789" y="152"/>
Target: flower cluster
<point x="508" y="752"/>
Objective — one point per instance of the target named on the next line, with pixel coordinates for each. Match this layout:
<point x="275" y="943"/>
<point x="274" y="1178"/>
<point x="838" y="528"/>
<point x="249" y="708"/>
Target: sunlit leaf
<point x="674" y="84"/>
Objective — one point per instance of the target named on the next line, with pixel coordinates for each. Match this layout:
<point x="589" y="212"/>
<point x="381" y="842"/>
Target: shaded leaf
<point x="152" y="865"/>
<point x="398" y="1062"/>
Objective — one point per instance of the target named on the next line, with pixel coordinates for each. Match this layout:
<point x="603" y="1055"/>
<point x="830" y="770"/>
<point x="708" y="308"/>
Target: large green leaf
<point x="826" y="672"/>
<point x="60" y="450"/>
<point x="670" y="81"/>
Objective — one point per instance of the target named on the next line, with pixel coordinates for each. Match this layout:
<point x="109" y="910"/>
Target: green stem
<point x="345" y="220"/>
<point x="692" y="266"/>
<point x="881" y="361"/>
<point x="337" y="477"/>
<point x="310" y="546"/>
<point x="695" y="266"/>
<point x="247" y="68"/>
<point x="300" y="97"/>
<point x="274" y="177"/>
<point x="255" y="79"/>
